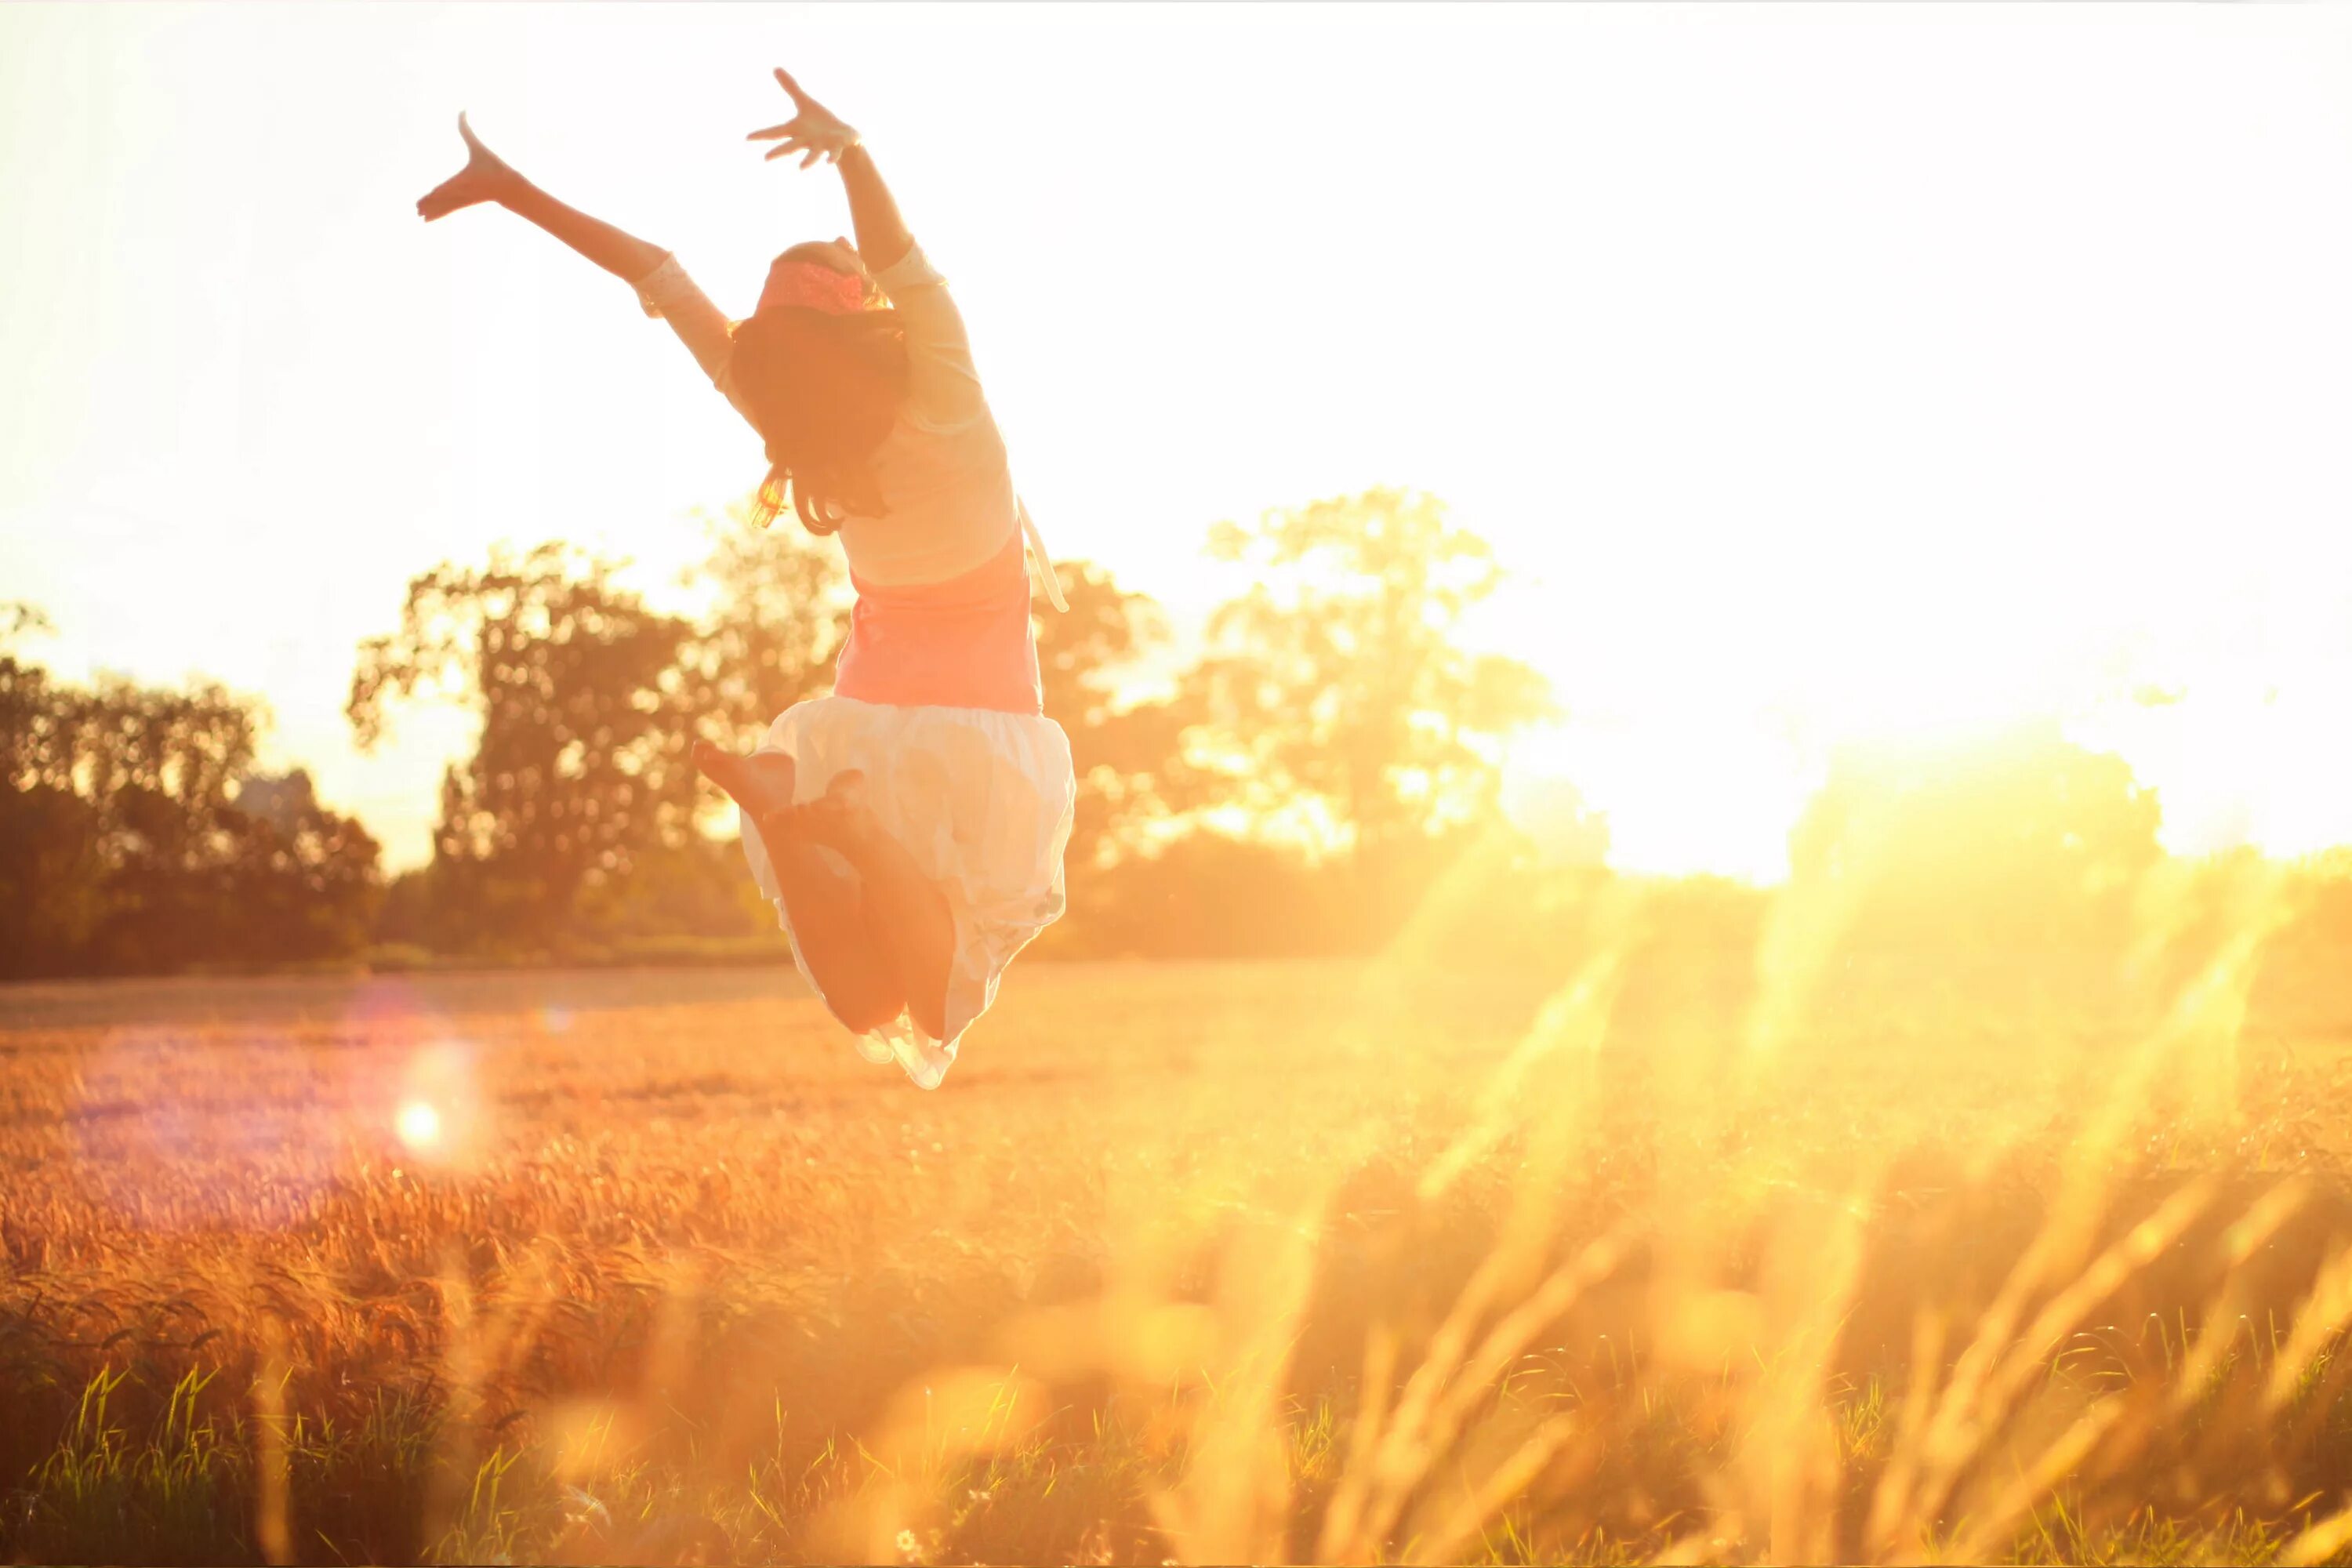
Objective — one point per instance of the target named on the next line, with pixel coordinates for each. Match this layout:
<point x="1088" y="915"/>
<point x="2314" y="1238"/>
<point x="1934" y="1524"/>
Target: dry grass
<point x="1213" y="1263"/>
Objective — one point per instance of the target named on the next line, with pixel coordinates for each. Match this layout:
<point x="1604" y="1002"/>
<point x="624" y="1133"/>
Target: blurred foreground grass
<point x="1690" y="1253"/>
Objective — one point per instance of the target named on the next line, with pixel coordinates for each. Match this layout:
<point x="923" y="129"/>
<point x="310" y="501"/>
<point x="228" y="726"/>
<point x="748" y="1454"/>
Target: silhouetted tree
<point x="2018" y="843"/>
<point x="51" y="873"/>
<point x="1119" y="750"/>
<point x="1335" y="679"/>
<point x="586" y="716"/>
<point x="777" y="613"/>
<point x="303" y="883"/>
<point x="573" y="822"/>
<point x="134" y="834"/>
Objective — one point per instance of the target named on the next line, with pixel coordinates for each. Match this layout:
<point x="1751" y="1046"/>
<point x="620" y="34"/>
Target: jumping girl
<point x="909" y="827"/>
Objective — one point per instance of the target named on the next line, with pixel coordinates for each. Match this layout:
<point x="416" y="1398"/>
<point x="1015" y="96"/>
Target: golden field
<point x="1685" y="1252"/>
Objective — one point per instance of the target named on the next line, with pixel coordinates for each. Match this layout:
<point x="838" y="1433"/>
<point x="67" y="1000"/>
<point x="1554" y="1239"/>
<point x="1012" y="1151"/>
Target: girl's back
<point x="942" y="612"/>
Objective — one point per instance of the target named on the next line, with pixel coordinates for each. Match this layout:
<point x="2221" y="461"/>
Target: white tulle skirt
<point x="981" y="799"/>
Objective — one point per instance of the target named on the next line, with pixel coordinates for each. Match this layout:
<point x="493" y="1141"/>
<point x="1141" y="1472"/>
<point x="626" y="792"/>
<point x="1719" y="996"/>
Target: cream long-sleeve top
<point x="949" y="503"/>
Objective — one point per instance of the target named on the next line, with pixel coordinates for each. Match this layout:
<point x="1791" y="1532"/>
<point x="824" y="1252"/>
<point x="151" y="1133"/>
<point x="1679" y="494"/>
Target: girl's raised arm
<point x="488" y="178"/>
<point x="942" y="381"/>
<point x="817" y="133"/>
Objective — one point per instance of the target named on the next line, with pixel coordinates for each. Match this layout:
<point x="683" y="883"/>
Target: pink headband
<point x="816" y="287"/>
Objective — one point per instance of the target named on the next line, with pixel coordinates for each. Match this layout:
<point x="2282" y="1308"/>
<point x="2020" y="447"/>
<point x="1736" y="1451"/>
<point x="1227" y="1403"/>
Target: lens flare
<point x="437" y="1111"/>
<point x="419" y="1125"/>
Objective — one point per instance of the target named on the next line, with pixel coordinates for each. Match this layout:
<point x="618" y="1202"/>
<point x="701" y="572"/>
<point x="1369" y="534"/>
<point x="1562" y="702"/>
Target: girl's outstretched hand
<point x="485" y="178"/>
<point x="815" y="130"/>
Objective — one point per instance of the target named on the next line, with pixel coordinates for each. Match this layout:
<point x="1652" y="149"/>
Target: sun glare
<point x="1707" y="792"/>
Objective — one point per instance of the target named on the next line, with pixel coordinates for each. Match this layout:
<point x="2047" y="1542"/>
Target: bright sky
<point x="1822" y="371"/>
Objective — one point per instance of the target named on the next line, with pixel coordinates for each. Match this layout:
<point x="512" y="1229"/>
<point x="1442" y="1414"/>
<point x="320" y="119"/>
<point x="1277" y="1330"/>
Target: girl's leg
<point x="905" y="911"/>
<point x="832" y="923"/>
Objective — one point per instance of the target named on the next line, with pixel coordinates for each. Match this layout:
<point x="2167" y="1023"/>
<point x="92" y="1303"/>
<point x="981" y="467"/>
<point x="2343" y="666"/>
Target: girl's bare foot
<point x="762" y="783"/>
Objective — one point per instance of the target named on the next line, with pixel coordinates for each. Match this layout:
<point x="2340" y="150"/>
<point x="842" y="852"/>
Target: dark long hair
<point x="823" y="390"/>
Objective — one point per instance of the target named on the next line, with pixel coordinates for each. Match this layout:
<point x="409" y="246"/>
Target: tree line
<point x="136" y="835"/>
<point x="1291" y="788"/>
<point x="1320" y="775"/>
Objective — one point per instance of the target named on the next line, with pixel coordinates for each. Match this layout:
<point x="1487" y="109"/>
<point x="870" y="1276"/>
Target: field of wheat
<point x="1679" y="1254"/>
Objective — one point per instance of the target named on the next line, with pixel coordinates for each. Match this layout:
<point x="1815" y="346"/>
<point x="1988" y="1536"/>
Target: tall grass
<point x="1396" y="1262"/>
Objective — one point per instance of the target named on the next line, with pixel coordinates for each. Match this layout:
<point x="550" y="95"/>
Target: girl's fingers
<point x="769" y="133"/>
<point x="784" y="81"/>
<point x="811" y="146"/>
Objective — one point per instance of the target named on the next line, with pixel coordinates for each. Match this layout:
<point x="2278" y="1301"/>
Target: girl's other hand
<point x="485" y="178"/>
<point x="814" y="131"/>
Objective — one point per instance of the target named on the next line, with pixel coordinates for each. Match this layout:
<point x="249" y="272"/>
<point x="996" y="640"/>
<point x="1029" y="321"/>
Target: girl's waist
<point x="964" y="643"/>
<point x="961" y="662"/>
